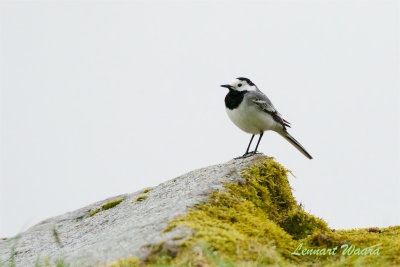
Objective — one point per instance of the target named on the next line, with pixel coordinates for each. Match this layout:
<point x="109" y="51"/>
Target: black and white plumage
<point x="252" y="111"/>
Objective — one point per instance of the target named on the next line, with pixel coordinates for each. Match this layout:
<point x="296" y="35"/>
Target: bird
<point x="253" y="112"/>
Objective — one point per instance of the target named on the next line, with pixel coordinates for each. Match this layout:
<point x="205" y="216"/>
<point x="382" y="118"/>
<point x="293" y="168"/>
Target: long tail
<point x="295" y="143"/>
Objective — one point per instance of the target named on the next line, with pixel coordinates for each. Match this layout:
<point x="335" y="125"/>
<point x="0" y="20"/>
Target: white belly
<point x="252" y="119"/>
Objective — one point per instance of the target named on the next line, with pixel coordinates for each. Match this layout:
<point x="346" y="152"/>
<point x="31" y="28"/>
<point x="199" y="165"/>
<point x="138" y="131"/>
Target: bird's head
<point x="241" y="84"/>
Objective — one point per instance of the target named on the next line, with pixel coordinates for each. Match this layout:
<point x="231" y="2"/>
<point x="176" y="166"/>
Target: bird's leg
<point x="246" y="154"/>
<point x="259" y="139"/>
<point x="248" y="147"/>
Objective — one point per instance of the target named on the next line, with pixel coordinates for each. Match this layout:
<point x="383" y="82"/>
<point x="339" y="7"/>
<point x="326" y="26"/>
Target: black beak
<point x="227" y="86"/>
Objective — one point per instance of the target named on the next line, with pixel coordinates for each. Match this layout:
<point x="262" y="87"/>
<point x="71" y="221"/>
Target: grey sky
<point x="99" y="99"/>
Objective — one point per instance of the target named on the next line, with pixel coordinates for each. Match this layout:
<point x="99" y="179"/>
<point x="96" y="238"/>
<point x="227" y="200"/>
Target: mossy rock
<point x="258" y="222"/>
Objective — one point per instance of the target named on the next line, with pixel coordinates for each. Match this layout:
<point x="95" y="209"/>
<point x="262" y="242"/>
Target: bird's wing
<point x="263" y="102"/>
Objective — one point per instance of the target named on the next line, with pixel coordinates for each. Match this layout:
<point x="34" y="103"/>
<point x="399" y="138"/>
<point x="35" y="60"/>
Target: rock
<point x="233" y="214"/>
<point x="123" y="226"/>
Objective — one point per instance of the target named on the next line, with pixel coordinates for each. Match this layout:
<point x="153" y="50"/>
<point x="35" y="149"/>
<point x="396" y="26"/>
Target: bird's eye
<point x="239" y="85"/>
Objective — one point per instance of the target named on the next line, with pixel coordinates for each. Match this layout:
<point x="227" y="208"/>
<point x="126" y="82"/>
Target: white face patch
<point x="242" y="86"/>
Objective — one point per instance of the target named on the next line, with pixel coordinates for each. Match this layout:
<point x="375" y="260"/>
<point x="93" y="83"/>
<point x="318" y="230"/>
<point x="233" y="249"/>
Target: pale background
<point x="105" y="98"/>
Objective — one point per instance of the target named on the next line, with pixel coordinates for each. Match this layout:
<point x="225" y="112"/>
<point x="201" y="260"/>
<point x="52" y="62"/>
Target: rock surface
<point x="126" y="230"/>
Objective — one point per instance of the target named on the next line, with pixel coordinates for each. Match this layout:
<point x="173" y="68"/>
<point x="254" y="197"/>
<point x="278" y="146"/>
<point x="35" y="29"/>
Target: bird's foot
<point x="249" y="154"/>
<point x="245" y="155"/>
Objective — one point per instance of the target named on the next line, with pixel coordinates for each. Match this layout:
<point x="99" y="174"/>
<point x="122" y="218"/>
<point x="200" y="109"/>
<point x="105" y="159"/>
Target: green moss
<point x="388" y="242"/>
<point x="112" y="204"/>
<point x="129" y="262"/>
<point x="61" y="263"/>
<point x="146" y="190"/>
<point x="12" y="256"/>
<point x="258" y="222"/>
<point x="56" y="236"/>
<point x="46" y="262"/>
<point x="106" y="206"/>
<point x="141" y="198"/>
<point x="299" y="224"/>
<point x="94" y="212"/>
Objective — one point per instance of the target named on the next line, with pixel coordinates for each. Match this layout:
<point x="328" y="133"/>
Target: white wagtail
<point x="252" y="111"/>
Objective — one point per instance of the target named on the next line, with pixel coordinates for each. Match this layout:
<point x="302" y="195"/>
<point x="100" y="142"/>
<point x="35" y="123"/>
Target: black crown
<point x="247" y="80"/>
